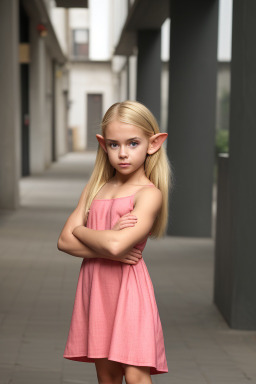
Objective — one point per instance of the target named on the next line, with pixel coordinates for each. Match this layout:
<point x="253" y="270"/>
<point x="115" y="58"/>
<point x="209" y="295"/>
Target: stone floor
<point x="38" y="285"/>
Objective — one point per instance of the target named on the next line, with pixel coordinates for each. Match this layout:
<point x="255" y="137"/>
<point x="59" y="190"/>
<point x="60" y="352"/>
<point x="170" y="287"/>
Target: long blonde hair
<point x="157" y="166"/>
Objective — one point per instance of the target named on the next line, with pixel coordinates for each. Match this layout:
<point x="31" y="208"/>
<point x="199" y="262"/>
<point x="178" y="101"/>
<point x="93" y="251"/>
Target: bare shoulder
<point x="82" y="198"/>
<point x="150" y="197"/>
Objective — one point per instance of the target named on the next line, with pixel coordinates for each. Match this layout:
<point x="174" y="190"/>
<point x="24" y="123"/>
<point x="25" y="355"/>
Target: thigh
<point x="109" y="371"/>
<point x="137" y="374"/>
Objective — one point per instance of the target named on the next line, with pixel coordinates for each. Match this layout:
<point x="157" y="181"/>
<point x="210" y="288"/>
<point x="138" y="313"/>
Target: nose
<point x="122" y="151"/>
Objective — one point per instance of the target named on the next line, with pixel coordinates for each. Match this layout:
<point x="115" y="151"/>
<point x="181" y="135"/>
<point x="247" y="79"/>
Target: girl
<point x="115" y="321"/>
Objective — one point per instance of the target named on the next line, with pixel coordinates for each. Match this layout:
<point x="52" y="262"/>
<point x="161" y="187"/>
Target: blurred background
<point x="192" y="63"/>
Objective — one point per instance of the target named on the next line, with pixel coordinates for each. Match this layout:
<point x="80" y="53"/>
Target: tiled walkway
<point x="38" y="285"/>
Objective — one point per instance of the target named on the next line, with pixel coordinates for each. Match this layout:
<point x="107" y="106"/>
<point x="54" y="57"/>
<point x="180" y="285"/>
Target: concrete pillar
<point x="191" y="122"/>
<point x="48" y="112"/>
<point x="242" y="165"/>
<point x="61" y="81"/>
<point x="10" y="152"/>
<point x="149" y="70"/>
<point x="37" y="101"/>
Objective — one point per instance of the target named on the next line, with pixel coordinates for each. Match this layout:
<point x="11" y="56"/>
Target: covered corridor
<point x="38" y="285"/>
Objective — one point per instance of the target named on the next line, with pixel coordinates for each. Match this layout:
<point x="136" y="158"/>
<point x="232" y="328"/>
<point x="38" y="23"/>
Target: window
<point x="80" y="44"/>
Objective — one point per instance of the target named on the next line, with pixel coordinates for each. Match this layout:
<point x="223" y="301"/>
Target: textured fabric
<point x="115" y="314"/>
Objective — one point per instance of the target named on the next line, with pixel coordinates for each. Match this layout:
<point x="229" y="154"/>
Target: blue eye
<point x="132" y="143"/>
<point x="112" y="144"/>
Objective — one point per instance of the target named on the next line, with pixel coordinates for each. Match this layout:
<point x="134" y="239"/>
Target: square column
<point x="38" y="118"/>
<point x="192" y="110"/>
<point x="10" y="151"/>
<point x="242" y="167"/>
<point x="149" y="70"/>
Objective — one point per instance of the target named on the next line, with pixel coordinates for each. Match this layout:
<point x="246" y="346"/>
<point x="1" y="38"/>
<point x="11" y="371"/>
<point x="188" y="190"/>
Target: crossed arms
<point x="78" y="240"/>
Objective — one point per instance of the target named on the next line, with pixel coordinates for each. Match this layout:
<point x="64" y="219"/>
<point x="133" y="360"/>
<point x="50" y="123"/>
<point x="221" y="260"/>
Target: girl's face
<point x="127" y="144"/>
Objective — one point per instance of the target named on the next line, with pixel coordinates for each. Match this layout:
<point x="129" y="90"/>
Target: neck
<point x="136" y="178"/>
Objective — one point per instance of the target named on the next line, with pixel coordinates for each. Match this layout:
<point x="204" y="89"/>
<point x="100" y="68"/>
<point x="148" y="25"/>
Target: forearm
<point x="101" y="241"/>
<point x="75" y="247"/>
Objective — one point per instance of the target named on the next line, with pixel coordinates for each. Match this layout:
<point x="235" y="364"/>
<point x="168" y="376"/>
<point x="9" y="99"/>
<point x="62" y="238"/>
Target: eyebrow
<point x="132" y="138"/>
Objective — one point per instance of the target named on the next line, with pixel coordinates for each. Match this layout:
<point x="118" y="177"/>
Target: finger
<point x="126" y="226"/>
<point x="136" y="255"/>
<point x="136" y="250"/>
<point x="124" y="217"/>
<point x="134" y="258"/>
<point x="128" y="219"/>
<point x="128" y="261"/>
<point x="129" y="214"/>
<point x="128" y="223"/>
<point x="137" y="258"/>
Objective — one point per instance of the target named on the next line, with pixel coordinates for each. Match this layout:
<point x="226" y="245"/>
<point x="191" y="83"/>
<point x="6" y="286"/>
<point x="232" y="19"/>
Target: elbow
<point x="61" y="244"/>
<point x="115" y="250"/>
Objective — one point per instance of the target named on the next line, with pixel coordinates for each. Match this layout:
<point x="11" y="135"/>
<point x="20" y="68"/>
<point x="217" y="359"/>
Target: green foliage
<point x="224" y="109"/>
<point x="222" y="141"/>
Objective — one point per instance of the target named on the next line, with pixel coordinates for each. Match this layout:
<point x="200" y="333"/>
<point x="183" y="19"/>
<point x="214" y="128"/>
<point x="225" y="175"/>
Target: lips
<point x="124" y="164"/>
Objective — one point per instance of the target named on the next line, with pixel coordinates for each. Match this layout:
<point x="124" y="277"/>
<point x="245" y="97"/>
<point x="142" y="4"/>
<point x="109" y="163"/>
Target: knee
<point x="133" y="378"/>
<point x="140" y="375"/>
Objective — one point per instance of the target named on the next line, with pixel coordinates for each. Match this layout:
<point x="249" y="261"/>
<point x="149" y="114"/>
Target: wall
<point x="59" y="18"/>
<point x="88" y="78"/>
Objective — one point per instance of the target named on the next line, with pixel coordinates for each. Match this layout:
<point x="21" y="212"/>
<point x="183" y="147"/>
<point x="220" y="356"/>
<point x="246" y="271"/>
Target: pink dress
<point x="115" y="314"/>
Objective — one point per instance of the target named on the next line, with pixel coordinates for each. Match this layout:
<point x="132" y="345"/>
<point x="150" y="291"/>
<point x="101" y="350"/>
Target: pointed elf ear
<point x="102" y="142"/>
<point x="155" y="142"/>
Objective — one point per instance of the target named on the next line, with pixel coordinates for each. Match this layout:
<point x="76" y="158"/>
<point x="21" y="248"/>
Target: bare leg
<point x="137" y="375"/>
<point x="108" y="371"/>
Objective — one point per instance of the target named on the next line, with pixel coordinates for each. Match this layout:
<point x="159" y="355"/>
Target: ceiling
<point x="143" y="14"/>
<point x="72" y="3"/>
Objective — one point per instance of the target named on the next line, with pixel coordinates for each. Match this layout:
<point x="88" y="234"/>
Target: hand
<point x="127" y="220"/>
<point x="132" y="257"/>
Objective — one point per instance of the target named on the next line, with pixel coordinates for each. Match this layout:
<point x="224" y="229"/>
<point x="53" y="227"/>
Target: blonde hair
<point x="157" y="166"/>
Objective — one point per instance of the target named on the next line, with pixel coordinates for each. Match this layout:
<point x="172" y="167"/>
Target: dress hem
<point x="91" y="359"/>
